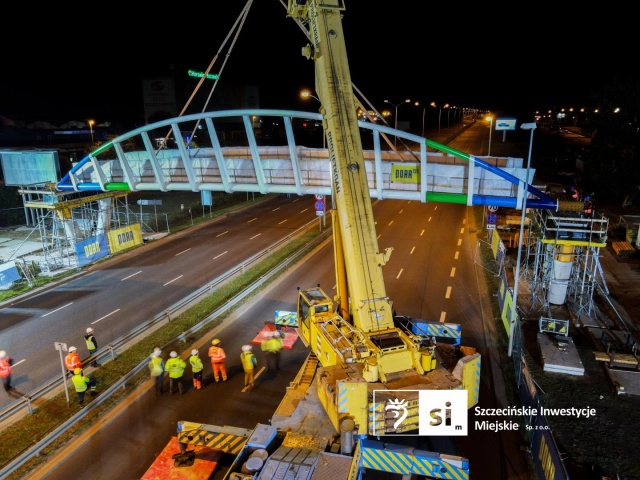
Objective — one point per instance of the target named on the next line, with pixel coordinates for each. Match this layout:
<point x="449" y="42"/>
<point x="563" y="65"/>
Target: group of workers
<point x="175" y="366"/>
<point x="271" y="346"/>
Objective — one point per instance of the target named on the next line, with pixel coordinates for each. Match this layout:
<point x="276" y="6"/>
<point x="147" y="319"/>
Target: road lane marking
<point x="225" y="232"/>
<point x="399" y="273"/>
<point x="448" y="294"/>
<point x="255" y="236"/>
<point x="453" y="272"/>
<point x="132" y="275"/>
<point x="171" y="281"/>
<point x="443" y="316"/>
<point x="184" y="251"/>
<point x="57" y="309"/>
<point x="221" y="254"/>
<point x="107" y="315"/>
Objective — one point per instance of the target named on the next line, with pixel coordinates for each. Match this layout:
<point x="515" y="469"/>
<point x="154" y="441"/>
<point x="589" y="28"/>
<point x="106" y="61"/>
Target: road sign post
<point x="62" y="347"/>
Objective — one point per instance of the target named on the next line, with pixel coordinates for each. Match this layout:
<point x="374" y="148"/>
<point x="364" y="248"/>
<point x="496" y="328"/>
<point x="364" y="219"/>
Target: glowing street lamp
<point x="307" y="94"/>
<point x="408" y="100"/>
<point x="91" y="122"/>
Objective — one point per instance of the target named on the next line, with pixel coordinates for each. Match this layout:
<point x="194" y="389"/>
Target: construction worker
<point x="217" y="356"/>
<point x="156" y="367"/>
<point x="196" y="368"/>
<point x="175" y="366"/>
<point x="5" y="371"/>
<point x="249" y="363"/>
<point x="82" y="383"/>
<point x="92" y="345"/>
<point x="271" y="347"/>
<point x="72" y="360"/>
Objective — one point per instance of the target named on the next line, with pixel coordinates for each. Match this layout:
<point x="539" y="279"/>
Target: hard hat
<point x="3" y="354"/>
<point x="173" y="354"/>
<point x="276" y="334"/>
<point x="156" y="352"/>
<point x="77" y="371"/>
<point x="246" y="348"/>
<point x="194" y="351"/>
<point x="215" y="341"/>
<point x="72" y="349"/>
<point x="89" y="330"/>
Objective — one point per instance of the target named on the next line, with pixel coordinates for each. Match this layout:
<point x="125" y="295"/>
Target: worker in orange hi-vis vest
<point x="72" y="360"/>
<point x="217" y="356"/>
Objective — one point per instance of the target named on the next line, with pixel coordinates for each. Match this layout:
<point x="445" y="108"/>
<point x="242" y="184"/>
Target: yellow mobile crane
<point x="357" y="343"/>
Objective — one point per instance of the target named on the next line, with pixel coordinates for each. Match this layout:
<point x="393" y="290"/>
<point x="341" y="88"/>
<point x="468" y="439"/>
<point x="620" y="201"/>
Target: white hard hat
<point x="72" y="349"/>
<point x="246" y="348"/>
<point x="3" y="354"/>
<point x="276" y="334"/>
<point x="156" y="352"/>
<point x="173" y="354"/>
<point x="89" y="330"/>
<point x="194" y="351"/>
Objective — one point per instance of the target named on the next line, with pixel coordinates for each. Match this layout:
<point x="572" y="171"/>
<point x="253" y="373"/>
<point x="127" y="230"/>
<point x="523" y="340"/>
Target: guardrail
<point x="137" y="333"/>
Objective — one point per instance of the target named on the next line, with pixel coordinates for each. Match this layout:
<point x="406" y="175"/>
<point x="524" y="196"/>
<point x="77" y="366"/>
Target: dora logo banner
<point x="124" y="238"/>
<point x="402" y="173"/>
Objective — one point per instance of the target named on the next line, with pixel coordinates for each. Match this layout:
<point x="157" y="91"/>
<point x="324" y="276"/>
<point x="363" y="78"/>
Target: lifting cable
<point x="240" y="20"/>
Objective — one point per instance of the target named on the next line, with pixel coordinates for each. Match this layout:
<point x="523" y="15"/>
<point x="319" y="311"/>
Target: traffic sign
<point x="492" y="208"/>
<point x="492" y="218"/>
<point x="319" y="206"/>
<point x="319" y="197"/>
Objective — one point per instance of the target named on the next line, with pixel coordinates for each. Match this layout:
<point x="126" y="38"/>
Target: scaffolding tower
<point x="563" y="254"/>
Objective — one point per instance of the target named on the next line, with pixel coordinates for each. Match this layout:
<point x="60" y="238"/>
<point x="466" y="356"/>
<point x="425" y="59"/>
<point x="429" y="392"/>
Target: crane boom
<point x="356" y="340"/>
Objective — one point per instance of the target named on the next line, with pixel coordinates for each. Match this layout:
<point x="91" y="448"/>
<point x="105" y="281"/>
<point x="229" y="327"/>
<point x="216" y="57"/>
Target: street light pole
<point x="417" y="104"/>
<point x="91" y="122"/>
<point x="490" y="118"/>
<point x="307" y="94"/>
<point x="395" y="140"/>
<point x="512" y="325"/>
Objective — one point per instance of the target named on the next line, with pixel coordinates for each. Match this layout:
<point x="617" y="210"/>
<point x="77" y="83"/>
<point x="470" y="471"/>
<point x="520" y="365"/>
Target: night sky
<point x="89" y="61"/>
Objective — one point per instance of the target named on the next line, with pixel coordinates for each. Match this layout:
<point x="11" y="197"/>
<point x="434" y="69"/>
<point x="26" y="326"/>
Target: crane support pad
<point x="164" y="467"/>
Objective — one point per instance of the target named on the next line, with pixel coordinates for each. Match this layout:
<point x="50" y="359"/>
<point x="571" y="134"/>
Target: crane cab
<point x="313" y="305"/>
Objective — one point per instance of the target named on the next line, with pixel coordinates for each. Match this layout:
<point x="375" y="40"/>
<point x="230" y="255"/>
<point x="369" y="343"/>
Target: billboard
<point x="29" y="167"/>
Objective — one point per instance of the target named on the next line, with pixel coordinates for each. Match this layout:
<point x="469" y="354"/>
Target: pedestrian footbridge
<point x="225" y="151"/>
